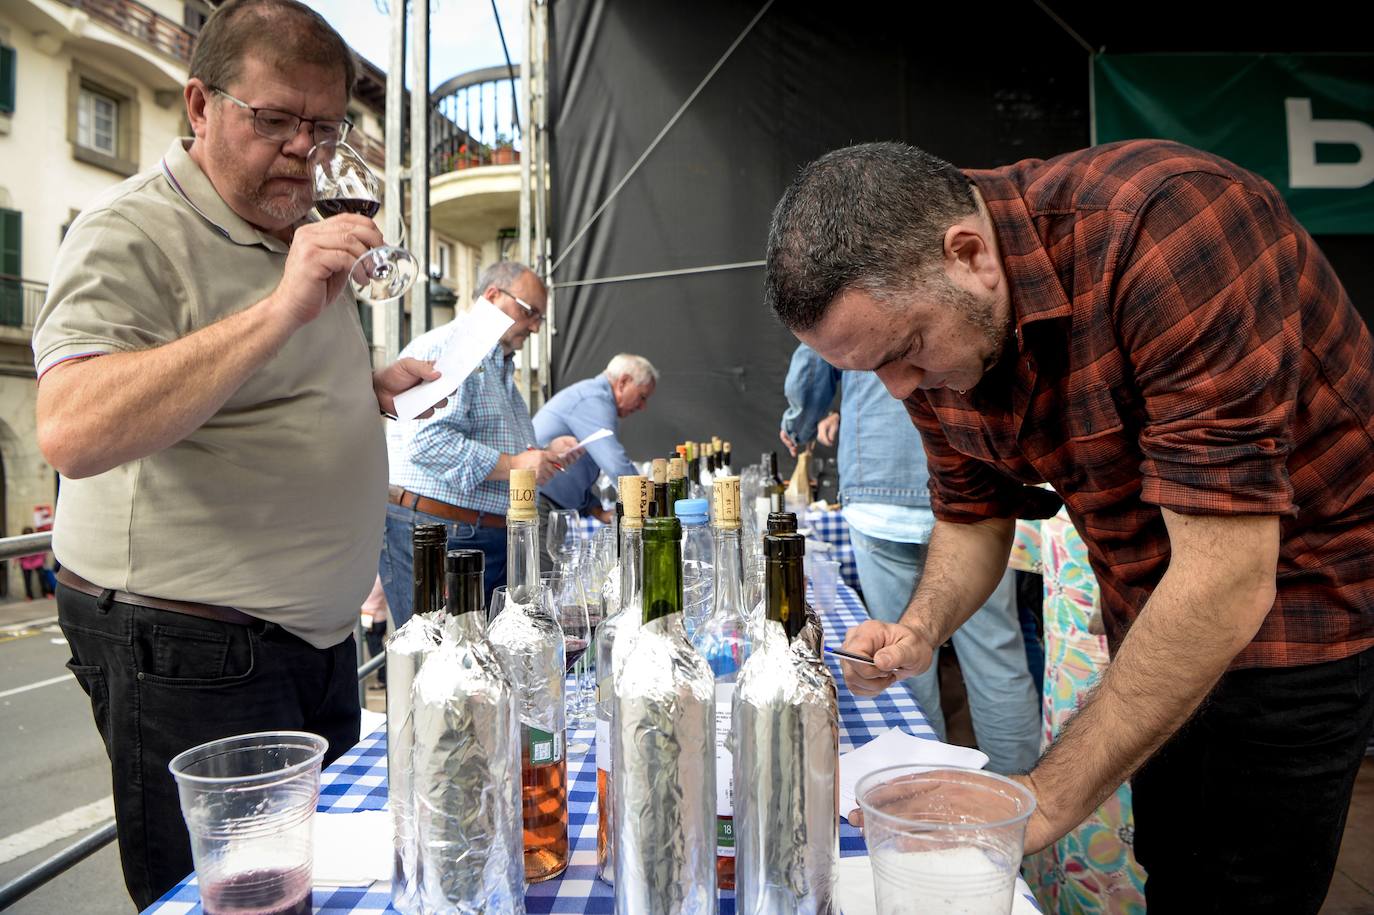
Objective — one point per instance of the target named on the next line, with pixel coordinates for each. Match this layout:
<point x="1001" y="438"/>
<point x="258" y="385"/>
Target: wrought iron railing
<point x="474" y="121"/>
<point x="141" y="22"/>
<point x="20" y="300"/>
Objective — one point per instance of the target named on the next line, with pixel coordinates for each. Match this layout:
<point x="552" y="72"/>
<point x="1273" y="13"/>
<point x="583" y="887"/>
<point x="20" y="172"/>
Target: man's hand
<point x="543" y="463"/>
<point x="828" y="429"/>
<point x="565" y="447"/>
<point x="604" y="515"/>
<point x="900" y="652"/>
<point x="402" y="375"/>
<point x="787" y="440"/>
<point x="317" y="266"/>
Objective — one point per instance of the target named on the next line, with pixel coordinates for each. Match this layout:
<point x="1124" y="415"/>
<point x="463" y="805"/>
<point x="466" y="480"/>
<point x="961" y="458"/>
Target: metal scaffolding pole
<point x="388" y="319"/>
<point x="419" y="166"/>
<point x="526" y="179"/>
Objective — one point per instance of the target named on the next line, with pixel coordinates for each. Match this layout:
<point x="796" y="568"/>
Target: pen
<point x="852" y="656"/>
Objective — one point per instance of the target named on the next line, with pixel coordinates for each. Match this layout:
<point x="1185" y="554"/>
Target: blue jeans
<point x="992" y="655"/>
<point x="397" y="565"/>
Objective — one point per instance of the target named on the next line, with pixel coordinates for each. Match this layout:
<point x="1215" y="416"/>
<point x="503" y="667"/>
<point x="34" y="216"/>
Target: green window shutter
<point x="8" y="73"/>
<point x="11" y="263"/>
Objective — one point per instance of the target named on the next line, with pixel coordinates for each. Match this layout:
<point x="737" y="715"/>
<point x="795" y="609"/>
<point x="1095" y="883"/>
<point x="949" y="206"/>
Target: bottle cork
<point x="660" y="470"/>
<point x="634" y="497"/>
<point x="725" y="503"/>
<point x="691" y="451"/>
<point x="522" y="493"/>
<point x="715" y="443"/>
<point x="677" y="469"/>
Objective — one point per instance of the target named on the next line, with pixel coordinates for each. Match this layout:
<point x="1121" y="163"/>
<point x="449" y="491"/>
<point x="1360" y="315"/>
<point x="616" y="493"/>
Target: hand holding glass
<point x="344" y="184"/>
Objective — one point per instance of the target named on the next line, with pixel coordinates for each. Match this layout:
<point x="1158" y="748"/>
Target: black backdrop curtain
<point x="979" y="88"/>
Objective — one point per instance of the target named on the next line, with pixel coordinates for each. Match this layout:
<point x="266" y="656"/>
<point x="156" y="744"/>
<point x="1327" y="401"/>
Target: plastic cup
<point x="825" y="574"/>
<point x="249" y="804"/>
<point x="943" y="840"/>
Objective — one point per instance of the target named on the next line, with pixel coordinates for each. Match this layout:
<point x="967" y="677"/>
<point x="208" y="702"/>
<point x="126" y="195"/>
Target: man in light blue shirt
<point x="454" y="468"/>
<point x="580" y="410"/>
<point x="886" y="499"/>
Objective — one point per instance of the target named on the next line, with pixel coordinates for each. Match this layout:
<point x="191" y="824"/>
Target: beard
<point x="283" y="206"/>
<point x="980" y="313"/>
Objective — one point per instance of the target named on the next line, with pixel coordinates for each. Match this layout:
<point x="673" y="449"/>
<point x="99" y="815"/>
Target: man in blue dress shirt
<point x="580" y="410"/>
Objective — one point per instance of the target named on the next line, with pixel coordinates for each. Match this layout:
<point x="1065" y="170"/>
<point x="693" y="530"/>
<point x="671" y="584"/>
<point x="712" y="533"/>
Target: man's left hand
<point x="402" y="375"/>
<point x="565" y="446"/>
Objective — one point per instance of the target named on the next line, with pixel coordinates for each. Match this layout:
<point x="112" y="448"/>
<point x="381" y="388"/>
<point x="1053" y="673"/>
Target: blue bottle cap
<point x="691" y="511"/>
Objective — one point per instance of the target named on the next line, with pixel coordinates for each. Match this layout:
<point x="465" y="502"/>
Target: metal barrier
<point x="78" y="851"/>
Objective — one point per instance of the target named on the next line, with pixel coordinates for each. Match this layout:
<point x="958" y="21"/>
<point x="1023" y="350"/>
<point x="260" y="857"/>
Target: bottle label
<point x="541" y="747"/>
<point x="725" y="837"/>
<point x="725" y="768"/>
<point x="603" y="744"/>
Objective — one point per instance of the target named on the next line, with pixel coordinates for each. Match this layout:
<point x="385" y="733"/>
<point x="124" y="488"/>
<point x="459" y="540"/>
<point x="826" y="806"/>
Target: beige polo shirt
<point x="276" y="504"/>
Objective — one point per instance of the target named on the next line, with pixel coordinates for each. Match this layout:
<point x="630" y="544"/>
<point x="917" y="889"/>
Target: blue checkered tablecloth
<point x="357" y="781"/>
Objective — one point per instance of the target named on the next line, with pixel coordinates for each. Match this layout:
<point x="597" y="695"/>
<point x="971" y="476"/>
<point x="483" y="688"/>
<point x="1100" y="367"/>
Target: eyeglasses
<point x="271" y="124"/>
<point x="530" y="310"/>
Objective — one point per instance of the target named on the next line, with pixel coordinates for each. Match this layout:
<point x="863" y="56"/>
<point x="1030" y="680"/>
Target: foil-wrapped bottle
<point x="664" y="733"/>
<point x="406" y="652"/>
<point x="529" y="640"/>
<point x="621" y="614"/>
<point x="723" y="640"/>
<point x="786" y="757"/>
<point x="466" y="769"/>
<point x="812" y="633"/>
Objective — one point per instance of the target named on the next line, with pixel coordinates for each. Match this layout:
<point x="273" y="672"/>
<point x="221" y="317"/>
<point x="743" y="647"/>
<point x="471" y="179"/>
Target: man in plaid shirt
<point x="1148" y="329"/>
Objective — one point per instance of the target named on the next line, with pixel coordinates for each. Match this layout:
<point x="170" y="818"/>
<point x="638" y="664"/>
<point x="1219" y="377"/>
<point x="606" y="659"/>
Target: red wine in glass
<point x="333" y="206"/>
<point x="573" y="649"/>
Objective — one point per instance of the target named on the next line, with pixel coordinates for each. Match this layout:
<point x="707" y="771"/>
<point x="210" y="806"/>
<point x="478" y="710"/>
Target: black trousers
<point x="1243" y="809"/>
<point x="163" y="682"/>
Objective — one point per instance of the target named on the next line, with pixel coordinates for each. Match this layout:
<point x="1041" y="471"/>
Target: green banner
<point x="1303" y="121"/>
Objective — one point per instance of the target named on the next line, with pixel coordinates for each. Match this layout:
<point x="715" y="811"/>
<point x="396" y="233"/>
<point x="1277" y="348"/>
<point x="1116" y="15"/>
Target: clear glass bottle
<point x="723" y="640"/>
<point x="621" y="613"/>
<point x="698" y="562"/>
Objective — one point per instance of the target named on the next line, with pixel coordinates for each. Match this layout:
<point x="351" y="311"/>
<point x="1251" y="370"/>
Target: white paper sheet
<point x="895" y="747"/>
<point x="596" y="436"/>
<point x="476" y="333"/>
<point x="353" y="849"/>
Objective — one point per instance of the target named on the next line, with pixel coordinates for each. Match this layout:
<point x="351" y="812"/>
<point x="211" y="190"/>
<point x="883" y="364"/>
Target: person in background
<point x="32" y="567"/>
<point x="579" y="410"/>
<point x="884" y="490"/>
<point x="454" y="469"/>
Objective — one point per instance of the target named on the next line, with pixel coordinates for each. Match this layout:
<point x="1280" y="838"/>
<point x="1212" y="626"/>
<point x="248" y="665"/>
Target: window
<point x="97" y="122"/>
<point x="8" y="72"/>
<point x="102" y="120"/>
<point x="443" y="260"/>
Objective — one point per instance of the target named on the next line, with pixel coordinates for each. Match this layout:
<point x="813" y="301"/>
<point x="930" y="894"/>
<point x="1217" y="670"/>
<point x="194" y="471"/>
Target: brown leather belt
<point x="205" y="611"/>
<point x="407" y="499"/>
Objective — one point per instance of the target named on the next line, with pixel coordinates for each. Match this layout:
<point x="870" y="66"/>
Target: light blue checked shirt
<point x="448" y="456"/>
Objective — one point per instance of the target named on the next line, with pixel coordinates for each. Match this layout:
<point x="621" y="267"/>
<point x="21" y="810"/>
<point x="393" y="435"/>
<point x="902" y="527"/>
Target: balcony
<point x="138" y="21"/>
<point x="20" y="301"/>
<point x="474" y="161"/>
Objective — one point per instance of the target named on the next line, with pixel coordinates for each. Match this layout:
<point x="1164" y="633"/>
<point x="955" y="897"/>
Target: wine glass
<point x="344" y="184"/>
<point x="570" y="604"/>
<point x="562" y="536"/>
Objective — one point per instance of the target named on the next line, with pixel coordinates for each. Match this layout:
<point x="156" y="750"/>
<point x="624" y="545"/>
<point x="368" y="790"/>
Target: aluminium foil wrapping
<point x="664" y="793"/>
<point x="466" y="779"/>
<point x="406" y="651"/>
<point x="786" y="761"/>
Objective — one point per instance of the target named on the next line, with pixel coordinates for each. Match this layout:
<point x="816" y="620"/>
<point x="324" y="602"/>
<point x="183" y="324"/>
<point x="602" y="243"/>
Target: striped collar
<point x="191" y="185"/>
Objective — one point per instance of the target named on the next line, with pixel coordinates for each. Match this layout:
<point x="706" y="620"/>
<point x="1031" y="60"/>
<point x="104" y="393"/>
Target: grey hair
<point x="640" y="370"/>
<point x="501" y="274"/>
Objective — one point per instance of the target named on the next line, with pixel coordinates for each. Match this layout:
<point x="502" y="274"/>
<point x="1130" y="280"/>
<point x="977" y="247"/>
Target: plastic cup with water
<point x="943" y="840"/>
<point x="249" y="805"/>
<point x="825" y="576"/>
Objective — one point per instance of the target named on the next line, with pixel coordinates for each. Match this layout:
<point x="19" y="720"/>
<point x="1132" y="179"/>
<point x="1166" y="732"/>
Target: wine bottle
<point x="726" y="458"/>
<point x="786" y="757"/>
<point x="529" y="640"/>
<point x="677" y="482"/>
<point x="466" y="762"/>
<point x="664" y="768"/>
<point x="621" y="613"/>
<point x="723" y="641"/>
<point x="774" y="484"/>
<point x="662" y="508"/>
<point x="428" y="542"/>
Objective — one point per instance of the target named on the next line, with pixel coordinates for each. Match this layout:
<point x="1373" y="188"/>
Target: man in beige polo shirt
<point x="205" y="391"/>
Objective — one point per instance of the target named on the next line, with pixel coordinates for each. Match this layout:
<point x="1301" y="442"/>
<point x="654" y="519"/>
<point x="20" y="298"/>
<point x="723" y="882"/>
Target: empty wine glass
<point x="562" y="536"/>
<point x="344" y="184"/>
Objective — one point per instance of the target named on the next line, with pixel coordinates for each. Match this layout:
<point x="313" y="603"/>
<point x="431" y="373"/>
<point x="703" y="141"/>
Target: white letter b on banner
<point x="1305" y="132"/>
